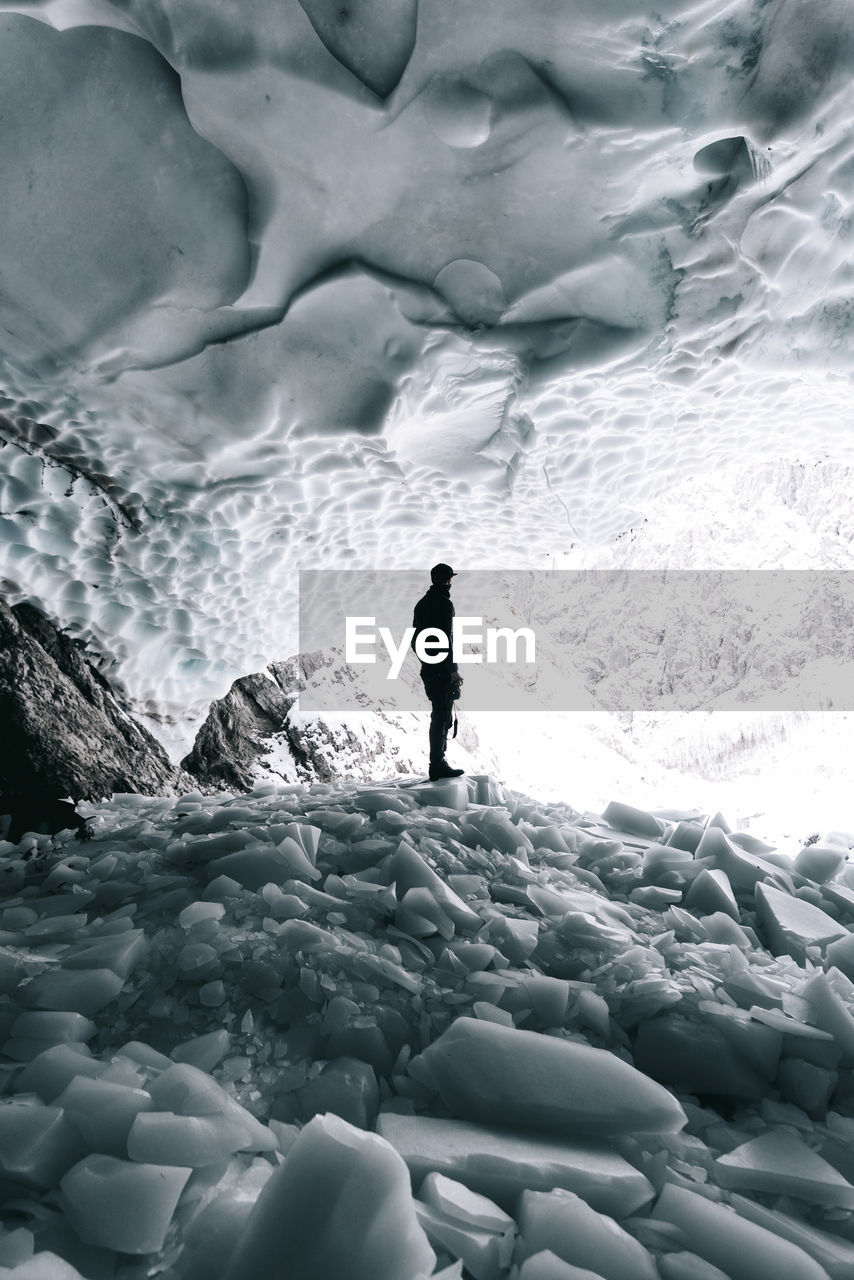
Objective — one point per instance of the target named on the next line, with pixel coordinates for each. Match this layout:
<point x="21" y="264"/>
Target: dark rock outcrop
<point x="62" y="730"/>
<point x="256" y="731"/>
<point x="239" y="727"/>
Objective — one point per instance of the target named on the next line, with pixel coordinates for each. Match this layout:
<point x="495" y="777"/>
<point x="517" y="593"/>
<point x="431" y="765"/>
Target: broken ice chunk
<point x="45" y="1265"/>
<point x="346" y="1087"/>
<point x="561" y="1222"/>
<point x="695" y="1057"/>
<point x="122" y="953"/>
<point x="264" y="864"/>
<point x="78" y="991"/>
<point x="163" y="1138"/>
<point x="186" y="1091"/>
<point x="833" y="1252"/>
<point x="791" y="924"/>
<point x="496" y="1075"/>
<point x="340" y="1206"/>
<point x="820" y="862"/>
<point x="16" y="1246"/>
<point x="515" y="938"/>
<point x="547" y="997"/>
<point x="455" y="1199"/>
<point x="103" y="1112"/>
<point x="484" y="1254"/>
<point x="780" y="1162"/>
<point x="548" y="1266"/>
<point x="49" y="1072"/>
<point x="830" y="1014"/>
<point x="499" y="1164"/>
<point x="807" y="1085"/>
<point x="623" y="817"/>
<point x="654" y="896"/>
<point x="410" y="871"/>
<point x="743" y="869"/>
<point x="421" y="915"/>
<point x="204" y="1052"/>
<point x="742" y="1250"/>
<point x="37" y="1144"/>
<point x="841" y="954"/>
<point x="710" y="892"/>
<point x="119" y="1205"/>
<point x="32" y="1033"/>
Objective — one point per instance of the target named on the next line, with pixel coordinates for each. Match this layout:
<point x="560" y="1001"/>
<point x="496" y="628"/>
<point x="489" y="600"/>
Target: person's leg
<point x="441" y="716"/>
<point x="439" y="719"/>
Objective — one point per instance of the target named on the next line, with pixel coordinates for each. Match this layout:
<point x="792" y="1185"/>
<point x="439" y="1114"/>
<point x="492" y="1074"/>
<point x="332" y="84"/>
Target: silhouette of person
<point x="441" y="679"/>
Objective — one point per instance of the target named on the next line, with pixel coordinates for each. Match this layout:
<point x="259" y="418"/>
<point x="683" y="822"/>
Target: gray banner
<point x="621" y="641"/>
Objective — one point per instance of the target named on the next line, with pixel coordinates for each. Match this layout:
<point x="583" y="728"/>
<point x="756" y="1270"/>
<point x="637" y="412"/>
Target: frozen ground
<point x="402" y="1029"/>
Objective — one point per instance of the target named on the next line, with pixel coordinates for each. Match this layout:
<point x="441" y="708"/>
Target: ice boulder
<point x="83" y="991"/>
<point x="118" y="1205"/>
<point x="500" y="1076"/>
<point x="781" y="1163"/>
<point x="820" y="862"/>
<point x="50" y="1071"/>
<point x="185" y="1091"/>
<point x="44" y="1265"/>
<point x="624" y="817"/>
<point x="743" y="1250"/>
<point x="711" y="892"/>
<point x="501" y="1164"/>
<point x="340" y="1206"/>
<point x="791" y="924"/>
<point x="103" y="1112"/>
<point x="161" y="1137"/>
<point x="564" y="1224"/>
<point x="718" y="1055"/>
<point x="484" y="1254"/>
<point x="37" y="1144"/>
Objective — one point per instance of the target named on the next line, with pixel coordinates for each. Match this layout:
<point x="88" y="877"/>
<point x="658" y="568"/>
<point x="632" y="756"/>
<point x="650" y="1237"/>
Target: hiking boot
<point x="444" y="770"/>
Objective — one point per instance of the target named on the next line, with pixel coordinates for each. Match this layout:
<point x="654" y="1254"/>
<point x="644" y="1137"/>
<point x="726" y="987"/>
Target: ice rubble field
<point x="390" y="1031"/>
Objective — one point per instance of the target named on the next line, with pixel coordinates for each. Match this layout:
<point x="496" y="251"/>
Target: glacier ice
<point x="638" y="1093"/>
<point x="540" y="268"/>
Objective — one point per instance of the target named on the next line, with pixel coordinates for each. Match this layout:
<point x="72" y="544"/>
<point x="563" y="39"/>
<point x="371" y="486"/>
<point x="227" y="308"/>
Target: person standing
<point x="442" y="679"/>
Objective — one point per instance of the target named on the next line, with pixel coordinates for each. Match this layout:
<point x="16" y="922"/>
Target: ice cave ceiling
<point x="291" y="283"/>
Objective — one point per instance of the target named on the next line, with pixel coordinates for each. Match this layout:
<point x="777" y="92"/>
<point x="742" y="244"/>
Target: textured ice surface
<point x="324" y="1085"/>
<point x="280" y="286"/>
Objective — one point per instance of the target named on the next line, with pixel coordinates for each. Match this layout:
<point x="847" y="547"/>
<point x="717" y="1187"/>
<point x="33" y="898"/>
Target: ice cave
<point x="299" y="299"/>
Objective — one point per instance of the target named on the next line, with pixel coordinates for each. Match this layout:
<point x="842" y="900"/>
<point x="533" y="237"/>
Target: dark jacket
<point x="435" y="609"/>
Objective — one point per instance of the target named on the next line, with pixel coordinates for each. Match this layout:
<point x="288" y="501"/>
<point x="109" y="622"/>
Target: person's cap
<point x="441" y="573"/>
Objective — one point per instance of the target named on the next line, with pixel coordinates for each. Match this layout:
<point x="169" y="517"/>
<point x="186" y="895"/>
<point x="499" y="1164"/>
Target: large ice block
<point x="501" y="1164"/>
<point x="781" y="1163"/>
<point x="563" y="1223"/>
<point x="119" y="1205"/>
<point x="793" y="925"/>
<point x="501" y="1076"/>
<point x="743" y="1250"/>
<point x="339" y="1206"/>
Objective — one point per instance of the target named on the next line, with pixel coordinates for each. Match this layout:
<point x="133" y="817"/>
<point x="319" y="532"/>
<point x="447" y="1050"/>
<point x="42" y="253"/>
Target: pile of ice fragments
<point x="406" y="1030"/>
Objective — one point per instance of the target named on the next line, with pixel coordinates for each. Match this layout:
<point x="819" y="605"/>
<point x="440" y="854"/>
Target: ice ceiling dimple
<point x="294" y="281"/>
